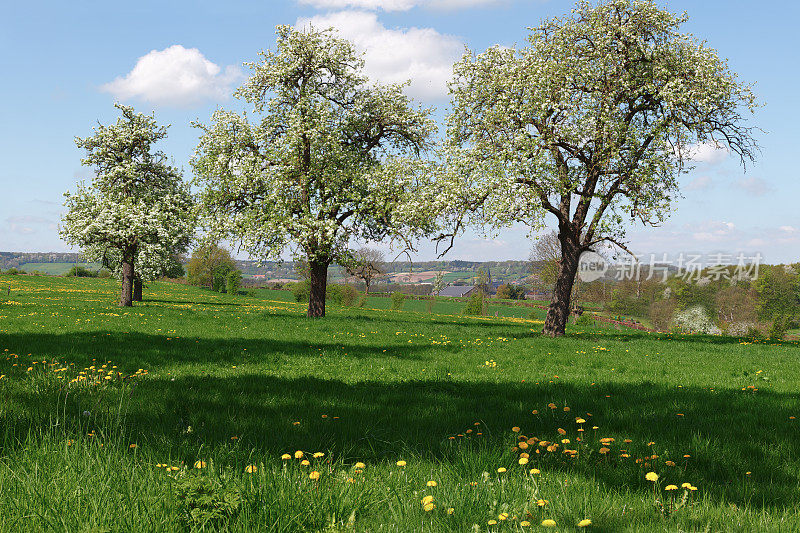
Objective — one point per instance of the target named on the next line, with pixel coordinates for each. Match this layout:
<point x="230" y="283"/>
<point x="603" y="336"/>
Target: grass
<point x="56" y="269"/>
<point x="236" y="382"/>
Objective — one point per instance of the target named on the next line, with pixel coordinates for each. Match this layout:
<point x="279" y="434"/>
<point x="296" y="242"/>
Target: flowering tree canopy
<point x="137" y="206"/>
<point x="330" y="158"/>
<point x="591" y="123"/>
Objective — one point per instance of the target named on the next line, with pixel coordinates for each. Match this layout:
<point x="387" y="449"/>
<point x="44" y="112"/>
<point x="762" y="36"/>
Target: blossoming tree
<point x="136" y="207"/>
<point x="329" y="158"/>
<point x="591" y="124"/>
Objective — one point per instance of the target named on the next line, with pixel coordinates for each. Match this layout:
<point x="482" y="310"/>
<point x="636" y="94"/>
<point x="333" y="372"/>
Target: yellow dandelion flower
<point x="501" y="470"/>
<point x="686" y="485"/>
<point x="401" y="463"/>
<point x="580" y="420"/>
<point x="428" y="507"/>
<point x="535" y="471"/>
<point x="525" y="523"/>
<point x="451" y="510"/>
<point x="200" y="464"/>
<point x="313" y="475"/>
<point x="251" y="469"/>
<point x="318" y="455"/>
<point x="431" y="483"/>
<point x="515" y="429"/>
<point x="671" y="487"/>
<point x="132" y="446"/>
<point x="502" y="516"/>
<point x="548" y="522"/>
<point x="651" y="476"/>
<point x="492" y="522"/>
<point x="360" y="465"/>
<point x="298" y="454"/>
<point x="585" y="523"/>
<point x="286" y="457"/>
<point x="426" y="499"/>
<point x="523" y="460"/>
<point x="305" y="462"/>
<point x="541" y="503"/>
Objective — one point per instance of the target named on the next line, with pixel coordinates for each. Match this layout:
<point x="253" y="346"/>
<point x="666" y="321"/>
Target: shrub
<point x="80" y="272"/>
<point x="233" y="282"/>
<point x="206" y="501"/>
<point x="695" y="320"/>
<point x="333" y="293"/>
<point x="301" y="291"/>
<point x="660" y="314"/>
<point x="398" y="299"/>
<point x="349" y="294"/>
<point x="12" y="272"/>
<point x="474" y="305"/>
<point x="362" y="300"/>
<point x="778" y="328"/>
<point x="104" y="274"/>
<point x="584" y="320"/>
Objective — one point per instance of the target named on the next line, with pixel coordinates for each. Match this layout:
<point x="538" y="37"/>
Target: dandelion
<point x="492" y="522"/>
<point x="580" y="420"/>
<point x="286" y="457"/>
<point x="318" y="455"/>
<point x="515" y="429"/>
<point x="502" y="516"/>
<point x="451" y="510"/>
<point x="251" y="469"/>
<point x="671" y="487"/>
<point x="501" y="470"/>
<point x="298" y="454"/>
<point x="132" y="446"/>
<point x="360" y="465"/>
<point x="525" y="523"/>
<point x="686" y="485"/>
<point x="431" y="483"/>
<point x="548" y="522"/>
<point x="200" y="464"/>
<point x="313" y="475"/>
<point x="523" y="460"/>
<point x="669" y="463"/>
<point x="535" y="471"/>
<point x="542" y="503"/>
<point x="651" y="476"/>
<point x="305" y="462"/>
<point x="428" y="507"/>
<point x="401" y="463"/>
<point x="585" y="523"/>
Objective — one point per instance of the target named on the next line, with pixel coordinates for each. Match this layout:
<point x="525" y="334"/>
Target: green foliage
<point x="398" y="299"/>
<point x="510" y="291"/>
<point x="78" y="271"/>
<point x="584" y="320"/>
<point x="13" y="272"/>
<point x="206" y="501"/>
<point x="475" y="305"/>
<point x="209" y="266"/>
<point x="233" y="282"/>
<point x="778" y="290"/>
<point x="780" y="325"/>
<point x="301" y="291"/>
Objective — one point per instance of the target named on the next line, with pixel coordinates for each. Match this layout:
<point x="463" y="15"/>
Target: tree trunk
<point x="557" y="314"/>
<point x="366" y="290"/>
<point x="126" y="299"/>
<point x="137" y="288"/>
<point x="318" y="278"/>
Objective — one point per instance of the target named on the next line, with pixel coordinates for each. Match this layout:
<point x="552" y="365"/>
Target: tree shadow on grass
<point x="238" y="418"/>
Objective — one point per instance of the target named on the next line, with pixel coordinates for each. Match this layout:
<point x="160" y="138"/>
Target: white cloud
<point x="707" y="152"/>
<point x="788" y="229"/>
<point x="175" y="76"/>
<point x="422" y="55"/>
<point x="397" y="5"/>
<point x="755" y="186"/>
<point x="700" y="183"/>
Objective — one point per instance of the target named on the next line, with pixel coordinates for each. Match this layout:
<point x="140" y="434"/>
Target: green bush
<point x="104" y="274"/>
<point x="233" y="282"/>
<point x="584" y="320"/>
<point x="349" y="294"/>
<point x="206" y="501"/>
<point x="12" y="272"/>
<point x="362" y="300"/>
<point x="779" y="328"/>
<point x="398" y="299"/>
<point x="80" y="272"/>
<point x="333" y="293"/>
<point x="475" y="306"/>
<point x="301" y="291"/>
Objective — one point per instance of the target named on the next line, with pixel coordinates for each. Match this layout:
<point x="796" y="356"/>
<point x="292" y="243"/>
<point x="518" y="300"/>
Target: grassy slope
<point x="238" y="381"/>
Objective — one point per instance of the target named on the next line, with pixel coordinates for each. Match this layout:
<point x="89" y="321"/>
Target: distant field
<point x="56" y="269"/>
<point x="175" y="415"/>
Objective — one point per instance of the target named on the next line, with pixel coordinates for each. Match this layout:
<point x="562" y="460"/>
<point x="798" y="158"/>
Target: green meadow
<point x="195" y="411"/>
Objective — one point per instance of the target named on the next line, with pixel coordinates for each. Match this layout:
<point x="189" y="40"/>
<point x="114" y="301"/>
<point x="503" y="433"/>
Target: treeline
<point x="767" y="305"/>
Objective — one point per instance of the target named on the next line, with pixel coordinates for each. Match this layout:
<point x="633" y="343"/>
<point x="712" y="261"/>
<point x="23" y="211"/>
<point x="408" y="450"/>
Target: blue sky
<point x="66" y="63"/>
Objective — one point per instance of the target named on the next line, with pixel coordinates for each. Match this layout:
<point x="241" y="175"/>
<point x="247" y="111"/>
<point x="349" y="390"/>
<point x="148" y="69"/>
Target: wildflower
<point x="428" y="507"/>
<point x="604" y="450"/>
<point x="523" y="460"/>
<point x="515" y="429"/>
<point x="132" y="446"/>
<point x="313" y="475"/>
<point x="669" y="463"/>
<point x="579" y="420"/>
<point x="651" y="476"/>
<point x="305" y="462"/>
<point x="535" y="471"/>
<point x="541" y="503"/>
<point x="535" y="412"/>
<point x="200" y="464"/>
<point x="566" y="409"/>
<point x="501" y="470"/>
<point x="525" y="523"/>
<point x="671" y="487"/>
<point x="502" y="516"/>
<point x="585" y="523"/>
<point x="401" y="463"/>
<point x="251" y="469"/>
<point x="360" y="465"/>
<point x="562" y="431"/>
<point x="451" y="510"/>
<point x="431" y="483"/>
<point x="298" y="454"/>
<point x="686" y="485"/>
<point x="548" y="522"/>
<point x="286" y="457"/>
